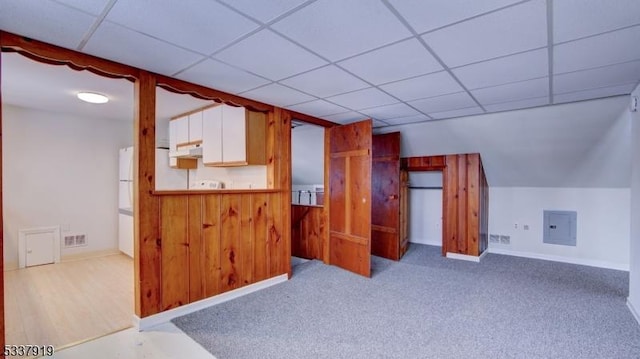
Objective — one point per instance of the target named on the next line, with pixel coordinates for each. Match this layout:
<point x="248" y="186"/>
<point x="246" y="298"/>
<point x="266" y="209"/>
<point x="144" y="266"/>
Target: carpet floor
<point x="426" y="306"/>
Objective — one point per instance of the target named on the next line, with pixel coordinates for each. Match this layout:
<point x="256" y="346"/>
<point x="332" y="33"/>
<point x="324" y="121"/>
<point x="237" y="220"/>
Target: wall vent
<point x="494" y="238"/>
<point x="505" y="239"/>
<point x="75" y="240"/>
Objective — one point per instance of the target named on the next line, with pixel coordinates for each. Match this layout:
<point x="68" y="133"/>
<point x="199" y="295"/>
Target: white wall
<point x="61" y="170"/>
<point x="634" y="275"/>
<point x="602" y="224"/>
<point x="425" y="208"/>
<point x="233" y="177"/>
<point x="307" y="155"/>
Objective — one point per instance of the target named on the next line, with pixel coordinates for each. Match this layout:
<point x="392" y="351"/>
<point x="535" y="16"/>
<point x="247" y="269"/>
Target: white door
<point x="39" y="248"/>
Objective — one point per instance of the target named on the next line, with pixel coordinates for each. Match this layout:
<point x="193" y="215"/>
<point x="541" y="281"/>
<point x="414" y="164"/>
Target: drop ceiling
<point x="396" y="61"/>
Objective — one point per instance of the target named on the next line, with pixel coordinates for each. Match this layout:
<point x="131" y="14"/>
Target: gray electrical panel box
<point x="560" y="227"/>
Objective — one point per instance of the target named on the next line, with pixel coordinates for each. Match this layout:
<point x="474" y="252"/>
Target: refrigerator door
<point x="168" y="178"/>
<point x="125" y="195"/>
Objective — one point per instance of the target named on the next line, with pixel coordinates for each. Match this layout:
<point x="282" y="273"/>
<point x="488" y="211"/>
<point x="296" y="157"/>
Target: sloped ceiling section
<point x="581" y="144"/>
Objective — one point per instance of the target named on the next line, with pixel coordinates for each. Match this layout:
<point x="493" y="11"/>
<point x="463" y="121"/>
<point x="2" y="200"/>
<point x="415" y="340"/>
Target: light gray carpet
<point x="427" y="306"/>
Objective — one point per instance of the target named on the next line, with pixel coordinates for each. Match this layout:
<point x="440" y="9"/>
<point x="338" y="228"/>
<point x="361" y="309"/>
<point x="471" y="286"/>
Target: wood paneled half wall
<point x="191" y="245"/>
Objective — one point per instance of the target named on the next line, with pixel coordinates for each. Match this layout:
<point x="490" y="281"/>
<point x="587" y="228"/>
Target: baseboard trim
<point x="153" y="320"/>
<point x="570" y="260"/>
<point x="89" y="255"/>
<point x="466" y="257"/>
<point x="633" y="311"/>
<point x="426" y="242"/>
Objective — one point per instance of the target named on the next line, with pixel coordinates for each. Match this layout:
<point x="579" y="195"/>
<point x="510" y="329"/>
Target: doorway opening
<point x="60" y="170"/>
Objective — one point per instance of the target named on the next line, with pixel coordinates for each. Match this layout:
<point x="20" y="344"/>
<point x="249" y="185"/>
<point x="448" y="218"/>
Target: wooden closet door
<point x="350" y="197"/>
<point x="386" y="194"/>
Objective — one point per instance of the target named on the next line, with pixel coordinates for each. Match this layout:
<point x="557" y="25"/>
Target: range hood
<point x="188" y="151"/>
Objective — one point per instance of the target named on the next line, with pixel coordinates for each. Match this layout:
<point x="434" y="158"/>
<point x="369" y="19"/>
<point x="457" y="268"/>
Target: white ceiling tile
<point x="40" y="20"/>
<point x="360" y="99"/>
<point x="346" y="117"/>
<point x="394" y="62"/>
<point x="338" y="29"/>
<point x="405" y="120"/>
<point x="390" y="111"/>
<point x="431" y="14"/>
<point x="513" y="91"/>
<point x="378" y="124"/>
<point x="201" y="26"/>
<point x="515" y="105"/>
<point x="424" y="86"/>
<point x="278" y="95"/>
<point x="524" y="66"/>
<point x="94" y="7"/>
<point x="574" y="19"/>
<point x="326" y="81"/>
<point x="219" y="76"/>
<point x="594" y="93"/>
<point x="598" y="77"/>
<point x="453" y="101"/>
<point x="318" y="108"/>
<point x="515" y="29"/>
<point x="469" y="111"/>
<point x="270" y="55"/>
<point x="264" y="11"/>
<point x="114" y="42"/>
<point x="606" y="49"/>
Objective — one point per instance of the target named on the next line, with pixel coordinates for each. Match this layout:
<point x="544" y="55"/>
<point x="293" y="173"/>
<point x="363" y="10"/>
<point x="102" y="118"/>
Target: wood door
<point x="349" y="160"/>
<point x="386" y="191"/>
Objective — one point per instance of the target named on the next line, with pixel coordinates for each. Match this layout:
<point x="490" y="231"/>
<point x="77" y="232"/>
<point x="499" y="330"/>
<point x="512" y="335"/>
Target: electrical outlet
<point x="515" y="226"/>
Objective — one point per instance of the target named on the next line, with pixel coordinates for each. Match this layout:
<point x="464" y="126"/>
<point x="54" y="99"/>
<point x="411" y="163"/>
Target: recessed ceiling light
<point x="92" y="97"/>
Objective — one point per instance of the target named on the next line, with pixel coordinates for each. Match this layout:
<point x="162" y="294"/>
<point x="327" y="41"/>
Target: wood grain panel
<point x="385" y="196"/>
<point x="230" y="239"/>
<point x="196" y="249"/>
<point x="247" y="239"/>
<point x="461" y="205"/>
<point x="307" y="231"/>
<point x="261" y="261"/>
<point x="211" y="225"/>
<point x="174" y="236"/>
<point x="473" y="205"/>
<point x="349" y="195"/>
<point x="147" y="247"/>
<point x="275" y="239"/>
<point x="450" y="209"/>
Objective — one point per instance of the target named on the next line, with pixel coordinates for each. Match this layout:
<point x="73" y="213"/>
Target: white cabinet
<point x="185" y="130"/>
<point x="233" y="136"/>
<point x="212" y="135"/>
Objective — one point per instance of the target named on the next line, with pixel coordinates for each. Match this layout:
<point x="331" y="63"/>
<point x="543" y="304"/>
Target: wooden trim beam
<point x="2" y="338"/>
<point x="55" y="55"/>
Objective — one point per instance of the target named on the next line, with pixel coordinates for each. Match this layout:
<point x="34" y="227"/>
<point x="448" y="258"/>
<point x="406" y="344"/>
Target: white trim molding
<point x="633" y="311"/>
<point x="153" y="320"/>
<point x="571" y="260"/>
<point x="466" y="257"/>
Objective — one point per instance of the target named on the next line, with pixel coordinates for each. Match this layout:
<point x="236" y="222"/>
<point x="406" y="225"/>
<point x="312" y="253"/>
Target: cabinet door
<point x="180" y="126"/>
<point x="212" y="135"/>
<point x="234" y="138"/>
<point x="195" y="127"/>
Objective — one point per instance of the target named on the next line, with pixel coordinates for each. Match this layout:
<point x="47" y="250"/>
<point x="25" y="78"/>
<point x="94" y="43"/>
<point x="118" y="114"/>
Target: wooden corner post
<point x="147" y="246"/>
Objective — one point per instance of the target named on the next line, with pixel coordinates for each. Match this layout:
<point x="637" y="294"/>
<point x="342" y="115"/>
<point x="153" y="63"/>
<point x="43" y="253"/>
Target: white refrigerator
<point x="167" y="178"/>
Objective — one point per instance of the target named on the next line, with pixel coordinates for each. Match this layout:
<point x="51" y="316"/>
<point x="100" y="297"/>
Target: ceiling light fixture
<point x="92" y="97"/>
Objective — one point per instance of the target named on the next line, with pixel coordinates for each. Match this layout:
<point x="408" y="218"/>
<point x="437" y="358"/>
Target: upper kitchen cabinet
<point x="233" y="136"/>
<point x="185" y="130"/>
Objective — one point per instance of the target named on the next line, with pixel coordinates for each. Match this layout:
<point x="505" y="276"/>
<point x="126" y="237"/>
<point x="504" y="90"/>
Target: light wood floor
<point x="65" y="303"/>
